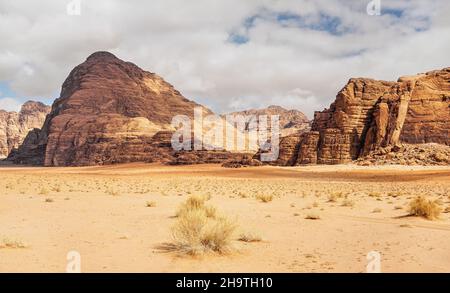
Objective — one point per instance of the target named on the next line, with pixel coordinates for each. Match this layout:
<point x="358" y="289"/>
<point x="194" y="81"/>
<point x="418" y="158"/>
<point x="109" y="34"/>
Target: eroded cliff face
<point x="291" y="121"/>
<point x="14" y="126"/>
<point x="111" y="111"/>
<point x="368" y="115"/>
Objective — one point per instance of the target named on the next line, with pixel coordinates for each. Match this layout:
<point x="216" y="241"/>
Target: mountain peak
<point x="102" y="55"/>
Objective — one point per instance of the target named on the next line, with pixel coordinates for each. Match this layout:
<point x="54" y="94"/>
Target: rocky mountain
<point x="371" y="116"/>
<point x="14" y="126"/>
<point x="111" y="111"/>
<point x="291" y="121"/>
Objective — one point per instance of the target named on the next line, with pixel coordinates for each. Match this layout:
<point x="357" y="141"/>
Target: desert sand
<point x="102" y="213"/>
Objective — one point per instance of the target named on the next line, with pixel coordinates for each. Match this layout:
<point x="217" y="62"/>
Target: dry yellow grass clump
<point x="249" y="237"/>
<point x="265" y="197"/>
<point x="8" y="243"/>
<point x="429" y="209"/>
<point x="199" y="229"/>
<point x="312" y="216"/>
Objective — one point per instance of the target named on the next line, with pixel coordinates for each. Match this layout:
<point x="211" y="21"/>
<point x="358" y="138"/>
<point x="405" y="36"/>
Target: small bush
<point x="44" y="191"/>
<point x="312" y="216"/>
<point x="8" y="243"/>
<point x="265" y="197"/>
<point x="348" y="203"/>
<point x="249" y="237"/>
<point x="375" y="194"/>
<point x="150" y="204"/>
<point x="199" y="229"/>
<point x="49" y="200"/>
<point x="335" y="196"/>
<point x="196" y="202"/>
<point x="376" y="210"/>
<point x="421" y="207"/>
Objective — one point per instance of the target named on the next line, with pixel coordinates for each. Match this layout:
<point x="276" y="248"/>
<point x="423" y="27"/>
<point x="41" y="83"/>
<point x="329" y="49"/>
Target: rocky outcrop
<point x="428" y="154"/>
<point x="368" y="115"/>
<point x="109" y="111"/>
<point x="244" y="161"/>
<point x="14" y="126"/>
<point x="291" y="121"/>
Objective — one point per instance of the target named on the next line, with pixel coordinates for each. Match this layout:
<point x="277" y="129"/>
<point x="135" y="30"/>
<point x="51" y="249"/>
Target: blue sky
<point x="227" y="54"/>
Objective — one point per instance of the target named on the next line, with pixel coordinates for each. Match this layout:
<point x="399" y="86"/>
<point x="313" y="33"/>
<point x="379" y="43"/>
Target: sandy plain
<point x="102" y="213"/>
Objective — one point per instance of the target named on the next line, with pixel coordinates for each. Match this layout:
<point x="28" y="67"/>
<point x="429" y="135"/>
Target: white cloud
<point x="10" y="104"/>
<point x="187" y="43"/>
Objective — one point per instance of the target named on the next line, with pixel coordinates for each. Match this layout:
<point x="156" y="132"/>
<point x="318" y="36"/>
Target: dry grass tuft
<point x="312" y="216"/>
<point x="8" y="243"/>
<point x="265" y="197"/>
<point x="150" y="204"/>
<point x="249" y="237"/>
<point x="348" y="203"/>
<point x="44" y="191"/>
<point x="375" y="194"/>
<point x="333" y="197"/>
<point x="200" y="230"/>
<point x="196" y="202"/>
<point x="421" y="207"/>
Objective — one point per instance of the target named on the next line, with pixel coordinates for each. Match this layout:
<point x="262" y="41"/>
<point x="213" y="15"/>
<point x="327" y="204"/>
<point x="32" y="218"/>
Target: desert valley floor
<point x="118" y="218"/>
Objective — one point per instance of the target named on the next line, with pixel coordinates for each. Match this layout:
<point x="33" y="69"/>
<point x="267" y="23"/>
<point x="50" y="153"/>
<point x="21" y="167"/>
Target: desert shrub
<point x="150" y="204"/>
<point x="249" y="237"/>
<point x="196" y="202"/>
<point x="44" y="191"/>
<point x="9" y="243"/>
<point x="265" y="197"/>
<point x="312" y="216"/>
<point x="333" y="197"/>
<point x="375" y="194"/>
<point x="421" y="207"/>
<point x="348" y="203"/>
<point x="210" y="211"/>
<point x="377" y="210"/>
<point x="199" y="229"/>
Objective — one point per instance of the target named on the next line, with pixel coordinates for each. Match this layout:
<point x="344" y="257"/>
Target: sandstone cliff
<point x="291" y="121"/>
<point x="369" y="115"/>
<point x="14" y="126"/>
<point x="111" y="111"/>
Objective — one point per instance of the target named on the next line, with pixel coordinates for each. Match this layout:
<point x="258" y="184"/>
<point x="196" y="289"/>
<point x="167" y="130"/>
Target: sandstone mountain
<point x="14" y="126"/>
<point x="110" y="111"/>
<point x="291" y="121"/>
<point x="371" y="116"/>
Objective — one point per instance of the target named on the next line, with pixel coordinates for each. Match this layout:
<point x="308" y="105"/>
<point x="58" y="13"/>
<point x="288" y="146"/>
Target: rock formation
<point x="291" y="121"/>
<point x="109" y="111"/>
<point x="14" y="126"/>
<point x="369" y="115"/>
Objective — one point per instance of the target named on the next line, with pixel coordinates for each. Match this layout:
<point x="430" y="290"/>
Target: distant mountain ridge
<point x="291" y="121"/>
<point x="14" y="126"/>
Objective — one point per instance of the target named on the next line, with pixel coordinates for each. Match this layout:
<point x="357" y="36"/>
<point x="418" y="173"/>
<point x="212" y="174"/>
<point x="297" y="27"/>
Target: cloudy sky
<point x="226" y="54"/>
